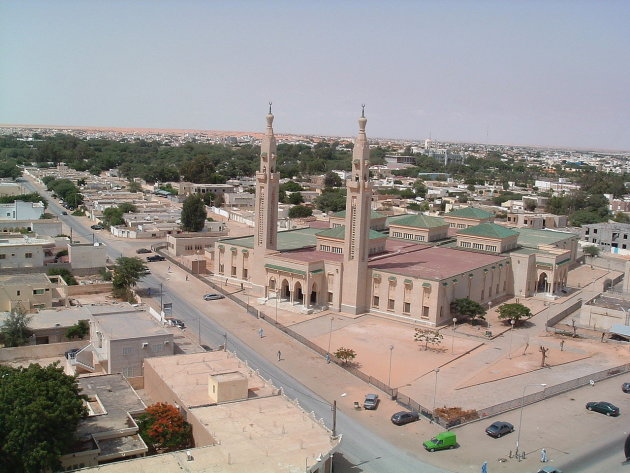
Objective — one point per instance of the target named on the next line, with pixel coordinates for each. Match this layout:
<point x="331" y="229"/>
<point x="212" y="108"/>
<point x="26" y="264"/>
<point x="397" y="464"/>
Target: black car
<point x="404" y="417"/>
<point x="64" y="213"/>
<point x="70" y="354"/>
<point x="178" y="323"/>
<point x="142" y="251"/>
<point x="499" y="429"/>
<point x="603" y="407"/>
<point x="153" y="258"/>
<point x="97" y="227"/>
<point x="370" y="402"/>
<point x="625" y="387"/>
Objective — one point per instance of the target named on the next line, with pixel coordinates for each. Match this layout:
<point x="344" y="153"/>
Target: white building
<point x="19" y="210"/>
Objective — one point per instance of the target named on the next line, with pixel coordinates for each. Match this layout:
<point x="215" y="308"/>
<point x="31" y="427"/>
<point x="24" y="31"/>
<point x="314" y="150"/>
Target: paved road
<point x="362" y="450"/>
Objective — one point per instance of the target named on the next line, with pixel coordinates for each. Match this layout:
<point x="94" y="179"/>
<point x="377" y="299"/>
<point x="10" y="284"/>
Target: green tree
<point x="193" y="214"/>
<point x="15" y="331"/>
<point x="112" y="216"/>
<point x="591" y="250"/>
<point x="434" y="337"/>
<point x="40" y="409"/>
<point x="345" y="354"/>
<point x="67" y="276"/>
<point x="127" y="273"/>
<point x="219" y="200"/>
<point x="300" y="211"/>
<point x="331" y="200"/>
<point x="621" y="217"/>
<point x="468" y="308"/>
<point x="332" y="179"/>
<point x="515" y="312"/>
<point x="420" y="188"/>
<point x="164" y="429"/>
<point x="78" y="330"/>
<point x="296" y="198"/>
<point x="291" y="186"/>
<point x="134" y="186"/>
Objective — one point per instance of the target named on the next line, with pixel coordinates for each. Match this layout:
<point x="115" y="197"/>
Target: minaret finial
<point x="270" y="108"/>
<point x="363" y="111"/>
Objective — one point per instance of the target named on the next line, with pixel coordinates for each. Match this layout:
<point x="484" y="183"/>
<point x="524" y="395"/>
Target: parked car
<point x="370" y="402"/>
<point x="178" y="323"/>
<point x="404" y="417"/>
<point x="97" y="227"/>
<point x="625" y="387"/>
<point x="499" y="429"/>
<point x="603" y="407"/>
<point x="441" y="441"/>
<point x="70" y="354"/>
<point x="213" y="297"/>
<point x="154" y="258"/>
<point x="64" y="213"/>
<point x="206" y="347"/>
<point x="142" y="251"/>
<point x="549" y="469"/>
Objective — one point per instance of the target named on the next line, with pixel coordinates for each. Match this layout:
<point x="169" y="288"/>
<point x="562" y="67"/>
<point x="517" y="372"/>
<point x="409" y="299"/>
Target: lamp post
<point x="512" y="322"/>
<point x="625" y="313"/>
<point x="276" y="307"/>
<point x="330" y="333"/>
<point x="520" y="421"/>
<point x="389" y="376"/>
<point x="437" y="370"/>
<point x="453" y="342"/>
<point x="334" y="416"/>
<point x="161" y="304"/>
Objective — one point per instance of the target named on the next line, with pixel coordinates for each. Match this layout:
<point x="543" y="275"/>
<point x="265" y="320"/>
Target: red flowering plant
<point x="164" y="429"/>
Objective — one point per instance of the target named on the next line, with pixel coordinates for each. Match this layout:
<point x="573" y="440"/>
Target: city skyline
<point x="527" y="73"/>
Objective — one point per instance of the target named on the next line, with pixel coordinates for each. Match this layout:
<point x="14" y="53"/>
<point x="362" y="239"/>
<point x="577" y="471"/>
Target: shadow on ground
<point x="342" y="465"/>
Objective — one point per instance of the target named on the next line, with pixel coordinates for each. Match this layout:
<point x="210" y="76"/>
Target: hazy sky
<point x="510" y="71"/>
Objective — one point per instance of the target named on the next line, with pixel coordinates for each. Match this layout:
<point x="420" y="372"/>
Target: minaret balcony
<point x="261" y="176"/>
<point x="353" y="185"/>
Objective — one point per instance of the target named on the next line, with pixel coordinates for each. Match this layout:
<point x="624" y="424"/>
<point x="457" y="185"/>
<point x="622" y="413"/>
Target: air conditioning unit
<point x="145" y="345"/>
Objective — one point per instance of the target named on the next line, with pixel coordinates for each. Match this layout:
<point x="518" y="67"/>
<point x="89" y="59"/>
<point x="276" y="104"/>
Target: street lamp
<point x="276" y="307"/>
<point x="520" y="421"/>
<point x="161" y="304"/>
<point x="453" y="342"/>
<point x="334" y="416"/>
<point x="625" y="312"/>
<point x="437" y="370"/>
<point x="330" y="333"/>
<point x="389" y="377"/>
<point x="512" y="322"/>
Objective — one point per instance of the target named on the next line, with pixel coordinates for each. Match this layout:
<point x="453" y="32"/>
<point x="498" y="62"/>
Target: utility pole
<point x="334" y="425"/>
<point x="161" y="305"/>
<point x="225" y="343"/>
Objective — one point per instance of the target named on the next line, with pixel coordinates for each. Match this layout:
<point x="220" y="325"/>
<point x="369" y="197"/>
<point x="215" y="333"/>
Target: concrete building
<point x="30" y="292"/>
<point x="418" y="227"/>
<point x="8" y="188"/>
<point x="536" y="220"/>
<point x="186" y="188"/>
<point x="109" y="432"/>
<point x="19" y="210"/>
<point x="234" y="409"/>
<point x="24" y="251"/>
<point x="241" y="200"/>
<point x="50" y="325"/>
<point x="87" y="255"/>
<point x="192" y="243"/>
<point x="608" y="236"/>
<point x="467" y="217"/>
<point x="44" y="227"/>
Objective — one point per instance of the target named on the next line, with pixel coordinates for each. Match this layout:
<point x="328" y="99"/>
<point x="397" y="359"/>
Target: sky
<point x="532" y="72"/>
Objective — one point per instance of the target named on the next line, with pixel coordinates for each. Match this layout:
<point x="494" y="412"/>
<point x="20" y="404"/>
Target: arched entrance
<point x="542" y="282"/>
<point x="313" y="298"/>
<point x="284" y="290"/>
<point x="298" y="297"/>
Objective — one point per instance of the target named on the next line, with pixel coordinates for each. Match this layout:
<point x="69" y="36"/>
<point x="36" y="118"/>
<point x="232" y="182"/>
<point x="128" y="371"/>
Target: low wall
<point x="39" y="351"/>
<point x="83" y="289"/>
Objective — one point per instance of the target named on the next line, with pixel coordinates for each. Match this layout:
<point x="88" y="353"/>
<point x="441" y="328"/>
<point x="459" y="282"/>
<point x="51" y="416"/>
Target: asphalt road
<point x="361" y="450"/>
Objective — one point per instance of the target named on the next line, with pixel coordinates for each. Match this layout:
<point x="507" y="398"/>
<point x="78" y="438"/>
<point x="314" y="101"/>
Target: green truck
<point x="441" y="441"/>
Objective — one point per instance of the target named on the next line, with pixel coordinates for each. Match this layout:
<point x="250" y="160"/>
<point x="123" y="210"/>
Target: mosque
<point x="409" y="266"/>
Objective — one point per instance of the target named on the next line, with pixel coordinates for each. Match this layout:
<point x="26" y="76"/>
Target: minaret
<point x="266" y="210"/>
<point x="355" y="251"/>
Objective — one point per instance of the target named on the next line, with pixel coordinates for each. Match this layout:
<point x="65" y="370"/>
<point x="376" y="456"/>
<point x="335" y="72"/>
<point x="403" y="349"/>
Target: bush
<point x="67" y="276"/>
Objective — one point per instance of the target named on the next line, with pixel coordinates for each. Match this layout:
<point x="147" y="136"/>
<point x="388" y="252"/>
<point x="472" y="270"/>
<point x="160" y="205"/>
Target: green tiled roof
<point x="285" y="269"/>
<point x="339" y="233"/>
<point x="532" y="238"/>
<point x="419" y="221"/>
<point x="289" y="240"/>
<point x="373" y="214"/>
<point x="469" y="212"/>
<point x="489" y="230"/>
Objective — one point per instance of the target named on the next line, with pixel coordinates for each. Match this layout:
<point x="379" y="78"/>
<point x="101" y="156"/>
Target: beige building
<point x="247" y="420"/>
<point x="87" y="255"/>
<point x="23" y="251"/>
<point x="536" y="221"/>
<point x="415" y="271"/>
<point x="377" y="220"/>
<point x="46" y="227"/>
<point x="30" y="292"/>
<point x="186" y="188"/>
<point x="10" y="189"/>
<point x="196" y="243"/>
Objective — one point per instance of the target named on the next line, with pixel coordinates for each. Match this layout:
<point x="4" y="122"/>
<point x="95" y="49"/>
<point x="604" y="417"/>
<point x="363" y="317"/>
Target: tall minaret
<point x="266" y="210"/>
<point x="355" y="250"/>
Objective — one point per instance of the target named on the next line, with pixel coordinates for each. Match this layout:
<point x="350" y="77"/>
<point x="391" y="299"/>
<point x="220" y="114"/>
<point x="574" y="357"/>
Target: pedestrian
<point x="543" y="456"/>
<point x="261" y="332"/>
<point x="561" y="345"/>
<point x="327" y="357"/>
<point x="484" y="467"/>
<point x="187" y="277"/>
<point x="279" y="355"/>
<point x="169" y="269"/>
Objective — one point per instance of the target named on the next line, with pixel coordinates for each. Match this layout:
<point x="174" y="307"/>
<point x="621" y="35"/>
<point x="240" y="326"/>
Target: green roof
<point x="418" y="221"/>
<point x="339" y="233"/>
<point x="285" y="269"/>
<point x="289" y="240"/>
<point x="489" y="230"/>
<point x="373" y="214"/>
<point x="532" y="238"/>
<point x="470" y="212"/>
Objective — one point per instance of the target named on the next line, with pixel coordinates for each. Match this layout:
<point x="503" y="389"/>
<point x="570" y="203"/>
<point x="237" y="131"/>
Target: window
<point x="478" y="246"/>
<point x="406" y="307"/>
<point x="465" y="244"/>
<point x="233" y="271"/>
<point x="420" y="237"/>
<point x="425" y="312"/>
<point x="129" y="372"/>
<point x="220" y="269"/>
<point x="330" y="297"/>
<point x="17" y="293"/>
<point x="375" y="301"/>
<point x="390" y="304"/>
<point x="272" y="283"/>
<point x="28" y="255"/>
<point x="127" y="350"/>
<point x="491" y="248"/>
<point x="244" y="273"/>
<point x="3" y="256"/>
<point x="38" y="292"/>
<point x="483" y="293"/>
<point x="157" y="348"/>
<point x="336" y="249"/>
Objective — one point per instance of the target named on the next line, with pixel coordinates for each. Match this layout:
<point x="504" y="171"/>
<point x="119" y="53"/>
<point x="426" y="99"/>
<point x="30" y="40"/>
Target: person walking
<point x="543" y="456"/>
<point x="187" y="277"/>
<point x="261" y="332"/>
<point x="484" y="467"/>
<point x="279" y="355"/>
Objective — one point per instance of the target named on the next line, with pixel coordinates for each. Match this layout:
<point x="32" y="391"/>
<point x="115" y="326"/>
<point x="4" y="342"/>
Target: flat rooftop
<point x="24" y="279"/>
<point x="532" y="238"/>
<point x="289" y="240"/>
<point x="131" y="324"/>
<point x="26" y="241"/>
<point x="187" y="375"/>
<point x="434" y="263"/>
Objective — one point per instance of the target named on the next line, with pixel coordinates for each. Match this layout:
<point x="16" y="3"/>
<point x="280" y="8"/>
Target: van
<point x="441" y="441"/>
